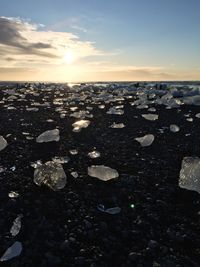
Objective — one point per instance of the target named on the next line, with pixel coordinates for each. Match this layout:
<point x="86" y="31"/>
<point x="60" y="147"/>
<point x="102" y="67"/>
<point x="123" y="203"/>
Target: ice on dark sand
<point x="50" y="174"/>
<point x="100" y="174"/>
<point x="190" y="174"/>
<point x="12" y="252"/>
<point x="145" y="140"/>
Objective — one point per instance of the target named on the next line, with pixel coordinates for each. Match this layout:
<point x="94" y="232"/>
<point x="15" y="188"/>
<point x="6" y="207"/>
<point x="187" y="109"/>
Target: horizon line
<point x="93" y="81"/>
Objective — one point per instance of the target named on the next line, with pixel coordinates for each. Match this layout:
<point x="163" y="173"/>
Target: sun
<point x="69" y="57"/>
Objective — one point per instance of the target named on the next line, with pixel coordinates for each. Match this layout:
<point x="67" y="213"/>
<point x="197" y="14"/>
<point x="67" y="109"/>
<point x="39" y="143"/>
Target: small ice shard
<point x="101" y="207"/>
<point x="94" y="154"/>
<point x="146" y="140"/>
<point x="62" y="115"/>
<point x="13" y="194"/>
<point x="74" y="174"/>
<point x="189" y="119"/>
<point x="61" y="160"/>
<point x="29" y="138"/>
<point x="112" y="211"/>
<point x="197" y="115"/>
<point x="189" y="177"/>
<point x="13" y="251"/>
<point x="36" y="164"/>
<point x="150" y="117"/>
<point x="101" y="106"/>
<point x="49" y="136"/>
<point x="102" y="172"/>
<point x="117" y="125"/>
<point x="73" y="108"/>
<point x="3" y="143"/>
<point x="115" y="111"/>
<point x="16" y="225"/>
<point x="50" y="120"/>
<point x="73" y="152"/>
<point x="2" y="169"/>
<point x="51" y="174"/>
<point x="32" y="109"/>
<point x="152" y="109"/>
<point x="11" y="108"/>
<point x="174" y="128"/>
<point x="78" y="125"/>
<point x="25" y="133"/>
<point x="76" y="129"/>
<point x="13" y="168"/>
<point x="142" y="106"/>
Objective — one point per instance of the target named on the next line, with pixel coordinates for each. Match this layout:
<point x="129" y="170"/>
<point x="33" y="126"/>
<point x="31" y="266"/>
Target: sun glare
<point x="69" y="57"/>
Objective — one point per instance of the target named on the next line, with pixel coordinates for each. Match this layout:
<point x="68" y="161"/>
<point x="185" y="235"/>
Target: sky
<point x="99" y="40"/>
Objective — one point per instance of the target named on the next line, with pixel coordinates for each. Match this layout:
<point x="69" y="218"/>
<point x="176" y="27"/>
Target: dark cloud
<point x="9" y="59"/>
<point x="10" y="35"/>
<point x="41" y="46"/>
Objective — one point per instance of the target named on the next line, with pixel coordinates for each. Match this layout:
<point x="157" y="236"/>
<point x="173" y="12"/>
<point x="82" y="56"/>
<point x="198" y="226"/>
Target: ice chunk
<point x="192" y="100"/>
<point x="3" y="143"/>
<point x="25" y="133"/>
<point x="29" y="138"/>
<point x="189" y="177"/>
<point x="174" y="128"/>
<point x="51" y="174"/>
<point x="16" y="225"/>
<point x="74" y="174"/>
<point x="49" y="136"/>
<point x="117" y="125"/>
<point x="76" y="129"/>
<point x="152" y="109"/>
<point x="2" y="169"/>
<point x="78" y="125"/>
<point x="32" y="109"/>
<point x="13" y="251"/>
<point x="36" y="164"/>
<point x="150" y="117"/>
<point x="189" y="119"/>
<point x="62" y="115"/>
<point x="142" y="106"/>
<point x="73" y="152"/>
<point x="146" y="140"/>
<point x="197" y="115"/>
<point x="102" y="172"/>
<point x="73" y="108"/>
<point x="115" y="111"/>
<point x="13" y="194"/>
<point x="101" y="106"/>
<point x="50" y="120"/>
<point x="112" y="211"/>
<point x="61" y="160"/>
<point x="94" y="154"/>
<point x="13" y="168"/>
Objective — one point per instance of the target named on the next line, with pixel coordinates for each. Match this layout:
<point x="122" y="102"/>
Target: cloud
<point x="11" y="35"/>
<point x="22" y="40"/>
<point x="78" y="28"/>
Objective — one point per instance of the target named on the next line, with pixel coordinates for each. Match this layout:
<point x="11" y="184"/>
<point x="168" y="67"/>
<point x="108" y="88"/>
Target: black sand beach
<point x="158" y="224"/>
